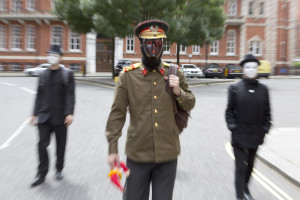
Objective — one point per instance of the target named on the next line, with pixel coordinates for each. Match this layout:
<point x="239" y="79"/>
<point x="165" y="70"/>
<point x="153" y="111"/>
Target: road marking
<point x="99" y="84"/>
<point x="8" y="84"/>
<point x="28" y="90"/>
<point x="209" y="84"/>
<point x="264" y="181"/>
<point x="15" y="134"/>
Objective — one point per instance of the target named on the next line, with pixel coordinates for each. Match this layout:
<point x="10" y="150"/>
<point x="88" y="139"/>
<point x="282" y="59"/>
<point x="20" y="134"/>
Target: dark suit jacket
<point x="248" y="113"/>
<point x="56" y="106"/>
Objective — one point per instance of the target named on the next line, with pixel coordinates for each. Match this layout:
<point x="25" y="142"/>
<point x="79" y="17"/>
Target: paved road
<point x="205" y="168"/>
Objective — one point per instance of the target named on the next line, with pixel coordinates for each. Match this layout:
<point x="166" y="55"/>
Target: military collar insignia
<point x="144" y="71"/>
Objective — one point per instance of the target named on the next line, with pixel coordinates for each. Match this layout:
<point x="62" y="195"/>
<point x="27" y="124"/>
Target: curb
<point x="112" y="84"/>
<point x="280" y="171"/>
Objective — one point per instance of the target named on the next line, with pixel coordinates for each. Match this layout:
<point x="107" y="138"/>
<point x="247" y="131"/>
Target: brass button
<point x="154" y="70"/>
<point x="155" y="97"/>
<point x="154" y="83"/>
<point x="180" y="101"/>
<point x="156" y="124"/>
<point x="155" y="111"/>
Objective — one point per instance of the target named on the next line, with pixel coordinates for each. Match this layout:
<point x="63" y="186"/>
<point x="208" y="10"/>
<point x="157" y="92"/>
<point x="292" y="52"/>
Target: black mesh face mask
<point x="152" y="50"/>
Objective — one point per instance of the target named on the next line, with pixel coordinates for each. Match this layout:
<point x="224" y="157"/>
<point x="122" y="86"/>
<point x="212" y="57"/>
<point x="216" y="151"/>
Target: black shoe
<point x="59" y="175"/>
<point x="247" y="196"/>
<point x="39" y="179"/>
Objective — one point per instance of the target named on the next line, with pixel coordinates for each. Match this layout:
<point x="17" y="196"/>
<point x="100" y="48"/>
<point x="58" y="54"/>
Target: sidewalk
<point x="282" y="145"/>
<point x="281" y="152"/>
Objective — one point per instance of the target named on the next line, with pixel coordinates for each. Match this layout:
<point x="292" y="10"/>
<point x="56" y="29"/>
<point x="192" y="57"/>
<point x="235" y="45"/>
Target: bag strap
<point x="172" y="71"/>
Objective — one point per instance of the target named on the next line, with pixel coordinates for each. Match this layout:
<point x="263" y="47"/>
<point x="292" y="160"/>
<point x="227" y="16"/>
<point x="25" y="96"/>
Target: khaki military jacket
<point x="152" y="135"/>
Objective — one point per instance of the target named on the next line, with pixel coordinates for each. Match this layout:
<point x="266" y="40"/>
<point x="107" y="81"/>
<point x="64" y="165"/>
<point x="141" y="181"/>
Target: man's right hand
<point x="33" y="120"/>
<point x="113" y="159"/>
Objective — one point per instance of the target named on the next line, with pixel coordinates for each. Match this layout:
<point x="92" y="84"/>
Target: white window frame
<point x="214" y="48"/>
<point x="196" y="49"/>
<point x="255" y="47"/>
<point x="231" y="42"/>
<point x="3" y="37"/>
<point x="182" y="49"/>
<point x="3" y="5"/>
<point x="30" y="5"/>
<point x="261" y="8"/>
<point x="251" y="8"/>
<point x="74" y="40"/>
<point x="16" y="38"/>
<point x="232" y="8"/>
<point x="130" y="44"/>
<point x="16" y="5"/>
<point x="57" y="35"/>
<point x="30" y="38"/>
<point x="167" y="47"/>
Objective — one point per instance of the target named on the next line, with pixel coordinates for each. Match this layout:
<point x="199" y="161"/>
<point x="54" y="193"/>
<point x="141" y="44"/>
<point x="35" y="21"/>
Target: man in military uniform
<point x="152" y="145"/>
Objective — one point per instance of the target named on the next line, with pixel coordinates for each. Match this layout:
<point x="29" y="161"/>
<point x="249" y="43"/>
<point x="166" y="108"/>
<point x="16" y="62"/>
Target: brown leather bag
<point x="181" y="116"/>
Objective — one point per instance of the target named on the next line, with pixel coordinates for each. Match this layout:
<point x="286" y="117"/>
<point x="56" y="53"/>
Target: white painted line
<point x="264" y="181"/>
<point x="15" y="134"/>
<point x="99" y="84"/>
<point x="28" y="90"/>
<point x="8" y="84"/>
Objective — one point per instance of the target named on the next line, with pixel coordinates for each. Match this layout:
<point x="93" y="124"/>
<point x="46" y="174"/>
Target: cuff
<point x="181" y="98"/>
<point x="113" y="147"/>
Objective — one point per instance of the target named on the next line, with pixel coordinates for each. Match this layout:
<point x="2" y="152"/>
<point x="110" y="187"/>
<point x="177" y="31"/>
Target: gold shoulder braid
<point x="132" y="67"/>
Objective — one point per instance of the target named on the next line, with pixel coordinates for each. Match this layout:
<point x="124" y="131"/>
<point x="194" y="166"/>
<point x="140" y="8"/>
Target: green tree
<point x="192" y="22"/>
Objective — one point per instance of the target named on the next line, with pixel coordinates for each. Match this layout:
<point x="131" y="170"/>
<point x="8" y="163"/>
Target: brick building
<point x="27" y="28"/>
<point x="269" y="29"/>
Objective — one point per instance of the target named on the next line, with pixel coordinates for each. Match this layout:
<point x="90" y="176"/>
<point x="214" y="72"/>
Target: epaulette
<point x="168" y="65"/>
<point x="132" y="67"/>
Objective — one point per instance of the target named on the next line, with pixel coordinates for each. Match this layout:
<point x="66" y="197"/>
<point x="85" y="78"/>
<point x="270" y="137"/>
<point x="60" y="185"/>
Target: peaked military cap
<point x="249" y="58"/>
<point x="55" y="49"/>
<point x="152" y="29"/>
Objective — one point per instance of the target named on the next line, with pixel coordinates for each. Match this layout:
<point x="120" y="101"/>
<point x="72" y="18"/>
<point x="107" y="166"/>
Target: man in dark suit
<point x="248" y="117"/>
<point x="54" y="107"/>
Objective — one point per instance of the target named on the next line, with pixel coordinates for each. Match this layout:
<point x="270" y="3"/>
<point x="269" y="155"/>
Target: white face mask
<point x="250" y="70"/>
<point x="53" y="59"/>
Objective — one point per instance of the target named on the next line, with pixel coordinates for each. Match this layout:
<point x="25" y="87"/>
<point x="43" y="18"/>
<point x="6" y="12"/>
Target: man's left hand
<point x="68" y="120"/>
<point x="174" y="83"/>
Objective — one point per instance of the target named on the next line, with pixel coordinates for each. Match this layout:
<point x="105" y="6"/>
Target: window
<point x="261" y="8"/>
<point x="2" y="37"/>
<point x="214" y="48"/>
<point x="30" y="42"/>
<point x="251" y="8"/>
<point x="16" y="38"/>
<point x="74" y="41"/>
<point x="182" y="49"/>
<point x="3" y="4"/>
<point x="282" y="49"/>
<point x="166" y="46"/>
<point x="232" y="8"/>
<point x="31" y="5"/>
<point x="196" y="49"/>
<point x="27" y="66"/>
<point x="15" y="67"/>
<point x="231" y="42"/>
<point x="17" y="5"/>
<point x="255" y="48"/>
<point x="57" y="35"/>
<point x="130" y="44"/>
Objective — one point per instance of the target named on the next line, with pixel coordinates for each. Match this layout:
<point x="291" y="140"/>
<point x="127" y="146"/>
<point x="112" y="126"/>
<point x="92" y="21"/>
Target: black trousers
<point x="45" y="131"/>
<point x="162" y="176"/>
<point x="244" y="162"/>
